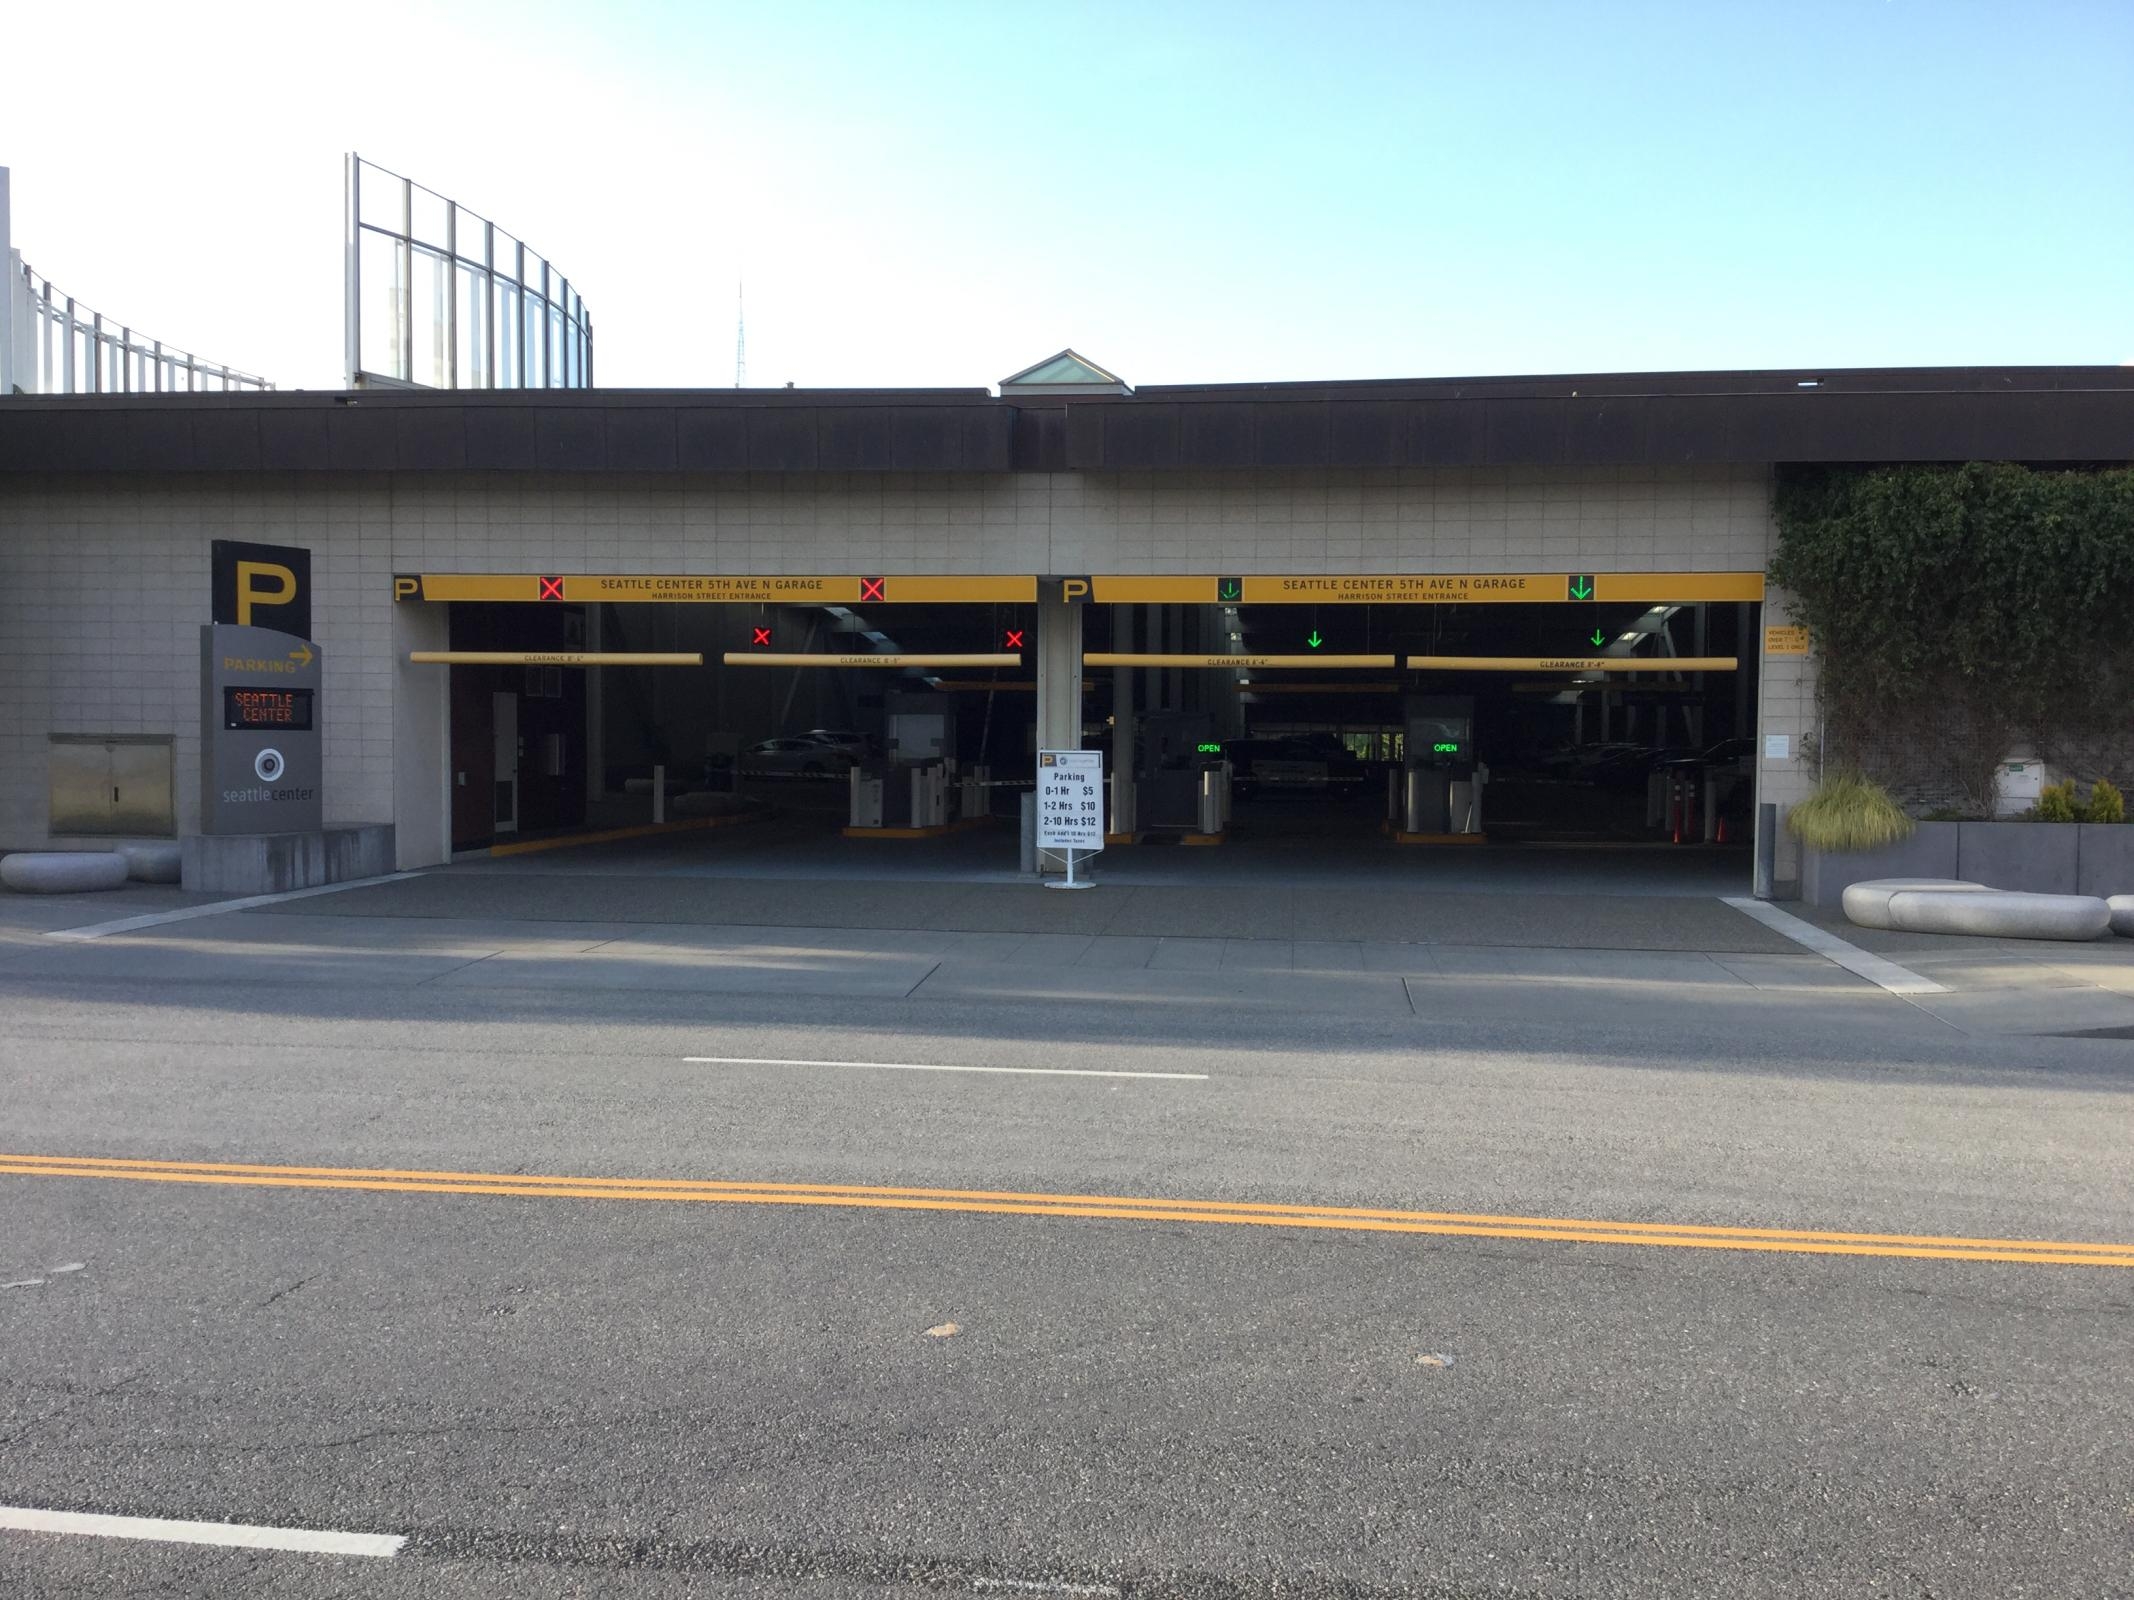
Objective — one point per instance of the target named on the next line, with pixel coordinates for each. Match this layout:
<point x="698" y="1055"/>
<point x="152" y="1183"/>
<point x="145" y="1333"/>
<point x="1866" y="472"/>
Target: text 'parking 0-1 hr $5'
<point x="1070" y="805"/>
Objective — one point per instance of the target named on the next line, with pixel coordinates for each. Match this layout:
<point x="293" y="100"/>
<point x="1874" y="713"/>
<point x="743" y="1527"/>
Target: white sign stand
<point x="1070" y="807"/>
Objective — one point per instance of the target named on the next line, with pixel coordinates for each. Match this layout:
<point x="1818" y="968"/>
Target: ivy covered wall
<point x="1964" y="613"/>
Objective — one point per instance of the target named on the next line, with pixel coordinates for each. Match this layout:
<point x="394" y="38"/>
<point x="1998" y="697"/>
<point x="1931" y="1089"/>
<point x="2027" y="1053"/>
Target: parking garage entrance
<point x="1279" y="716"/>
<point x="592" y="704"/>
<point x="1606" y="709"/>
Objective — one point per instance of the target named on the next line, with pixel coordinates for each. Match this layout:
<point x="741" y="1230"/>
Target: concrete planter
<point x="2039" y="856"/>
<point x="1929" y="853"/>
<point x="2042" y="857"/>
<point x="2105" y="859"/>
<point x="269" y="863"/>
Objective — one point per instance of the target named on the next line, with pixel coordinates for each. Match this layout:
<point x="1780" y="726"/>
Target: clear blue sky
<point x="941" y="193"/>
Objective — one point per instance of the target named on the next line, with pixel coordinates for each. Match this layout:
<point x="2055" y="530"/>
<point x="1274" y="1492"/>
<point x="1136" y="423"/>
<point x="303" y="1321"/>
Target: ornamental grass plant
<point x="1848" y="812"/>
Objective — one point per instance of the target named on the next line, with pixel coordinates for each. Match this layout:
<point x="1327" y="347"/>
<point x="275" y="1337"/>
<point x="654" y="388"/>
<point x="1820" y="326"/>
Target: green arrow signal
<point x="1314" y="641"/>
<point x="1581" y="587"/>
<point x="1229" y="590"/>
<point x="1599" y="638"/>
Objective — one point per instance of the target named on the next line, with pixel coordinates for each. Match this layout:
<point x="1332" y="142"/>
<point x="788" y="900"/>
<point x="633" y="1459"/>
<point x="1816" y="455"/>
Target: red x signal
<point x="1014" y="639"/>
<point x="763" y="636"/>
<point x="871" y="589"/>
<point x="551" y="588"/>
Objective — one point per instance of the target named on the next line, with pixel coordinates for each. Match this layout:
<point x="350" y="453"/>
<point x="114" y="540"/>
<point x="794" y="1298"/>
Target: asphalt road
<point x="595" y="1393"/>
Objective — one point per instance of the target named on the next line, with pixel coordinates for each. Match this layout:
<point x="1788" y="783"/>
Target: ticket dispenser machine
<point x="1440" y="780"/>
<point x="908" y="785"/>
<point x="1181" y="777"/>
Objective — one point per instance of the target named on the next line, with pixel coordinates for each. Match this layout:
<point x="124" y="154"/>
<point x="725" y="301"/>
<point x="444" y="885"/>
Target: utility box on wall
<point x="112" y="784"/>
<point x="2017" y="783"/>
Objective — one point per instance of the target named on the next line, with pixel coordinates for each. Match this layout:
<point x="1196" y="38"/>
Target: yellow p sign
<point x="1072" y="589"/>
<point x="262" y="586"/>
<point x="249" y="594"/>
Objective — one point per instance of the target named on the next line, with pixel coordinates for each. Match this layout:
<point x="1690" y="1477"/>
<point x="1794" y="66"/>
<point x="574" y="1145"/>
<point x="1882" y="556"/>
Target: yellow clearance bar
<point x="555" y="658"/>
<point x="1338" y="663"/>
<point x="769" y="658"/>
<point x="1572" y="663"/>
<point x="1431" y="588"/>
<point x="582" y="588"/>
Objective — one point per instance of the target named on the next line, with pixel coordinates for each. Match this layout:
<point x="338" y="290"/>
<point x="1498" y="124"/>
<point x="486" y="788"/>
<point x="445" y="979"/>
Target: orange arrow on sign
<point x="301" y="655"/>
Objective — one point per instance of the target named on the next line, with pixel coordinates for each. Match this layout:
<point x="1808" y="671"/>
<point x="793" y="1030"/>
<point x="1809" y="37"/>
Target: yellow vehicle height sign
<point x="596" y="588"/>
<point x="1572" y="663"/>
<point x="1128" y="658"/>
<point x="1432" y="588"/>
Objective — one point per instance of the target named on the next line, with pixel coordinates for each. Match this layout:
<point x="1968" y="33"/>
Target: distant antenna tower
<point x="740" y="337"/>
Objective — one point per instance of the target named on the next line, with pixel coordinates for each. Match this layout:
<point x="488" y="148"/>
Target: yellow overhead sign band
<point x="1406" y="588"/>
<point x="1155" y="591"/>
<point x="1678" y="588"/>
<point x="1572" y="663"/>
<point x="1347" y="588"/>
<point x="1339" y="663"/>
<point x="1432" y="588"/>
<point x="948" y="589"/>
<point x="592" y="588"/>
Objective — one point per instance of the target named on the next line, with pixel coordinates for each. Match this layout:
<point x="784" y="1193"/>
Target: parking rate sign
<point x="1070" y="799"/>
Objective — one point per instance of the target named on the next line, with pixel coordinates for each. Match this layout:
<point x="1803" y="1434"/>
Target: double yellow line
<point x="1236" y="1213"/>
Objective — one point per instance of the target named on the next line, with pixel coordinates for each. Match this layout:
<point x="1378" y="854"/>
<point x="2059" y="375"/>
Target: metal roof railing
<point x="63" y="348"/>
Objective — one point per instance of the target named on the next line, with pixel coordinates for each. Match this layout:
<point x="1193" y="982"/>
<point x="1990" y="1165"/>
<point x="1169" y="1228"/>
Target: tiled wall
<point x="104" y="580"/>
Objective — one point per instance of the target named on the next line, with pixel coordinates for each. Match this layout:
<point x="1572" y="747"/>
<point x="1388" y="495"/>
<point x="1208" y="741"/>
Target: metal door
<point x="115" y="784"/>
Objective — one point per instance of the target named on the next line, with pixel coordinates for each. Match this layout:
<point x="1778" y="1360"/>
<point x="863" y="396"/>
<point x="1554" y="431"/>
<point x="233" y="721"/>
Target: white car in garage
<point x="795" y="758"/>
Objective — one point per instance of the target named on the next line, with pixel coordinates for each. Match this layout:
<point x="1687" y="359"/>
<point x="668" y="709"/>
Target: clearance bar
<point x="766" y="658"/>
<point x="1572" y="663"/>
<point x="1338" y="663"/>
<point x="1434" y="588"/>
<point x="585" y="588"/>
<point x="555" y="658"/>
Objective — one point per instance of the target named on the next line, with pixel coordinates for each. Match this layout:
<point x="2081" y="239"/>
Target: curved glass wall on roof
<point x="439" y="298"/>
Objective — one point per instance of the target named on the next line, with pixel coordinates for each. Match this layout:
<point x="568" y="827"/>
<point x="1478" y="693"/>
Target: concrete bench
<point x="2122" y="908"/>
<point x="63" y="871"/>
<point x="1999" y="914"/>
<point x="1867" y="904"/>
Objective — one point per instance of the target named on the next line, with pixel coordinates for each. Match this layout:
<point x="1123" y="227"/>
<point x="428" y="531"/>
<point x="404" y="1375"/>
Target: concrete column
<point x="1059" y="675"/>
<point x="1122" y="728"/>
<point x="1059" y="686"/>
<point x="595" y="719"/>
<point x="422" y="738"/>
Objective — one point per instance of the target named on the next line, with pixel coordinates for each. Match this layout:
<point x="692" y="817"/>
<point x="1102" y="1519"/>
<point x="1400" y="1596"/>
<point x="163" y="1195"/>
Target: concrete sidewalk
<point x="1341" y="914"/>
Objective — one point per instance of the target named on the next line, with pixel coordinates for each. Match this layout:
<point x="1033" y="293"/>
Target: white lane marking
<point x="233" y="1535"/>
<point x="1042" y="1586"/>
<point x="926" y="1066"/>
<point x="155" y="919"/>
<point x="1876" y="970"/>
